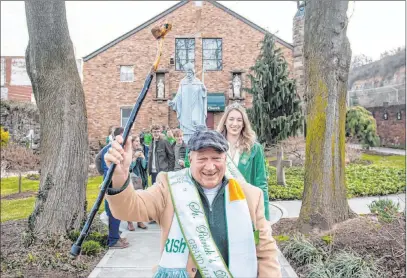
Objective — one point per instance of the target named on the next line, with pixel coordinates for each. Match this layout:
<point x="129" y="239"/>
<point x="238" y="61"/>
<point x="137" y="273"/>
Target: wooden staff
<point x="159" y="33"/>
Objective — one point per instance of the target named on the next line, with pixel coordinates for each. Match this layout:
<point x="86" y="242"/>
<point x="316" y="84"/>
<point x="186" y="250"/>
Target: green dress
<point x="252" y="167"/>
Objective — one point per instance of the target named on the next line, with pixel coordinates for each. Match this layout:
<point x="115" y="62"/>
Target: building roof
<point x="170" y="10"/>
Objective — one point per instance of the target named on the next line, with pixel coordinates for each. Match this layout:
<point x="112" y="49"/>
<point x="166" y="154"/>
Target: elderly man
<point x="212" y="226"/>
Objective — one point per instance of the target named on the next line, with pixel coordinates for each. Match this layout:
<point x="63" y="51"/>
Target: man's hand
<point x="181" y="162"/>
<point x="122" y="158"/>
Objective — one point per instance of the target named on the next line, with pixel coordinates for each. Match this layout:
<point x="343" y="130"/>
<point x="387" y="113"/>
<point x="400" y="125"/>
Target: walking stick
<point x="158" y="33"/>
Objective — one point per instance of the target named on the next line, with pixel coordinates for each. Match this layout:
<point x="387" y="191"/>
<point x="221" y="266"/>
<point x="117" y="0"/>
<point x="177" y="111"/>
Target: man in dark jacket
<point x="160" y="155"/>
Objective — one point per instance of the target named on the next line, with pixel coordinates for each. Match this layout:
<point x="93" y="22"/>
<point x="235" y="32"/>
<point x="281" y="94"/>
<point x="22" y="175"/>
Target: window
<point x="19" y="74"/>
<point x="212" y="54"/>
<point x="126" y="74"/>
<point x="184" y="52"/>
<point x="124" y="115"/>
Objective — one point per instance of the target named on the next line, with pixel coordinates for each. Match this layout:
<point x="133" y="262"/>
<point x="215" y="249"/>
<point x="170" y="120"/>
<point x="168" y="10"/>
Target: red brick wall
<point x="105" y="94"/>
<point x="15" y="92"/>
<point x="392" y="132"/>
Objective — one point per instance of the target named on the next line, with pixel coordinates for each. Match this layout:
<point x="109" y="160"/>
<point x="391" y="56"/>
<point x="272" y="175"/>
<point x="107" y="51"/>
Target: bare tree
<point x="58" y="91"/>
<point x="360" y="60"/>
<point x="327" y="58"/>
<point x="19" y="158"/>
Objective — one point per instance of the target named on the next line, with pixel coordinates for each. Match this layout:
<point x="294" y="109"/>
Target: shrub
<point x="348" y="264"/>
<point x="386" y="209"/>
<point x="281" y="238"/>
<point x="91" y="248"/>
<point x="302" y="251"/>
<point x="101" y="238"/>
<point x="319" y="270"/>
<point x="73" y="235"/>
<point x="328" y="239"/>
<point x="33" y="177"/>
<point x="4" y="137"/>
<point x="294" y="149"/>
<point x="361" y="125"/>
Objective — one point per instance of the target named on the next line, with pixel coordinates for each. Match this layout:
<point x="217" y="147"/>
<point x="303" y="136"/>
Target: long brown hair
<point x="247" y="135"/>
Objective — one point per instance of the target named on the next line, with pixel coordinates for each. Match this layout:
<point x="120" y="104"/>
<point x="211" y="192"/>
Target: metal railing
<point x="372" y="97"/>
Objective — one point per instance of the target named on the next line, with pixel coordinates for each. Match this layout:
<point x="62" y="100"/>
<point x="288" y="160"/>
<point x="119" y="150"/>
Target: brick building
<point x="205" y="33"/>
<point x="15" y="83"/>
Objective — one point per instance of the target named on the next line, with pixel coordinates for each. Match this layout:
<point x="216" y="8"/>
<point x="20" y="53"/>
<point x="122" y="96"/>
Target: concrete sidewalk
<point x="381" y="150"/>
<point x="143" y="253"/>
<point x="292" y="208"/>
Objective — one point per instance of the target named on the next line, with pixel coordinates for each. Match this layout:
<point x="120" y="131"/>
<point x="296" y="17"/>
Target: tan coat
<point x="155" y="204"/>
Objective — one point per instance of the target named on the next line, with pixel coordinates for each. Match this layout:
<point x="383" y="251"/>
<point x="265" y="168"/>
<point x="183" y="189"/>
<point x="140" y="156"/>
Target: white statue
<point x="160" y="89"/>
<point x="190" y="103"/>
<point x="30" y="138"/>
<point x="236" y="86"/>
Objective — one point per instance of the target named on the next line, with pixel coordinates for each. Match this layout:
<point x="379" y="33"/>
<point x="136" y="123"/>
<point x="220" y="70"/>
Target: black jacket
<point x="164" y="156"/>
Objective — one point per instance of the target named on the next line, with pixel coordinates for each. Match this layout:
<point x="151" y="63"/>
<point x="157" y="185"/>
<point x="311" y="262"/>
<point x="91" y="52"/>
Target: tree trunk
<point x="279" y="165"/>
<point x="19" y="182"/>
<point x="327" y="57"/>
<point x="58" y="91"/>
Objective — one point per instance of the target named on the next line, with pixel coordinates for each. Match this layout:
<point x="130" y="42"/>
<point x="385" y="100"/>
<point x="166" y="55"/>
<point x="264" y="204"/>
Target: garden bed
<point x="372" y="175"/>
<point x="45" y="259"/>
<point x="373" y="240"/>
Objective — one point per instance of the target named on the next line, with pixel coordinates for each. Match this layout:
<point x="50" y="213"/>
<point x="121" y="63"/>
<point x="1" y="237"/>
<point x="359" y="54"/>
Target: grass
<point x="396" y="161"/>
<point x="22" y="208"/>
<point x="385" y="175"/>
<point x="10" y="185"/>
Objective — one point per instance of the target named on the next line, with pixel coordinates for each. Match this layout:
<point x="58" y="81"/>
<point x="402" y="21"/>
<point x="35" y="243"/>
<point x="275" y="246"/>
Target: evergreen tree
<point x="276" y="113"/>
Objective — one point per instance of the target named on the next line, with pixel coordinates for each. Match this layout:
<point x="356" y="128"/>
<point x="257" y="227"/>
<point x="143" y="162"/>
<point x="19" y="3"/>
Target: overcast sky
<point x="374" y="27"/>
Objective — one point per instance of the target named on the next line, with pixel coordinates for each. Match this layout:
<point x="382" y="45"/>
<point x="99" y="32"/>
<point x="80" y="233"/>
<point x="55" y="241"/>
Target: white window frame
<point x="123" y="124"/>
<point x="218" y="59"/>
<point x="179" y="63"/>
<point x="122" y="79"/>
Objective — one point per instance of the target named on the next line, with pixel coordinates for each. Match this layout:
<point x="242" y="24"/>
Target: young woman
<point x="244" y="151"/>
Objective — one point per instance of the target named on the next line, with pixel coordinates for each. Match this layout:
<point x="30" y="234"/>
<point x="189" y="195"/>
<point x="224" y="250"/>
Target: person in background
<point x="109" y="138"/>
<point x="244" y="151"/>
<point x="161" y="154"/>
<point x="114" y="240"/>
<point x="170" y="137"/>
<point x="138" y="174"/>
<point x="148" y="137"/>
<point x="179" y="150"/>
<point x="143" y="145"/>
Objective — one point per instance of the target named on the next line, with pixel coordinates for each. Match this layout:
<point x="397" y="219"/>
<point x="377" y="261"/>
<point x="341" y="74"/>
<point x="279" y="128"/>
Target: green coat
<point x="252" y="167"/>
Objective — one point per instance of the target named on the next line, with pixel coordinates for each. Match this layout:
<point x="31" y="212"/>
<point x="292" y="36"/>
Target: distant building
<point x="380" y="87"/>
<point x="15" y="83"/>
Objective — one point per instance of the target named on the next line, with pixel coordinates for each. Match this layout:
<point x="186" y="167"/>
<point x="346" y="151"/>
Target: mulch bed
<point x="20" y="195"/>
<point x="365" y="235"/>
<point x="49" y="258"/>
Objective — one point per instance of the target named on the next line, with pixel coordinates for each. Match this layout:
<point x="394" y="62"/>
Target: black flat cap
<point x="204" y="138"/>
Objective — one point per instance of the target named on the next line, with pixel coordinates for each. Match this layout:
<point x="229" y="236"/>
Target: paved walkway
<point x="381" y="150"/>
<point x="143" y="253"/>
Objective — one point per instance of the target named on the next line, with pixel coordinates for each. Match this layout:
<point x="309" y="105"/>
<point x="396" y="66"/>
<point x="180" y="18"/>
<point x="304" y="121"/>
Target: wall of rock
<point x="21" y="119"/>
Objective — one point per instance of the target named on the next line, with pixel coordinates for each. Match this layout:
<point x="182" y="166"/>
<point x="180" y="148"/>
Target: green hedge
<point x="385" y="176"/>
